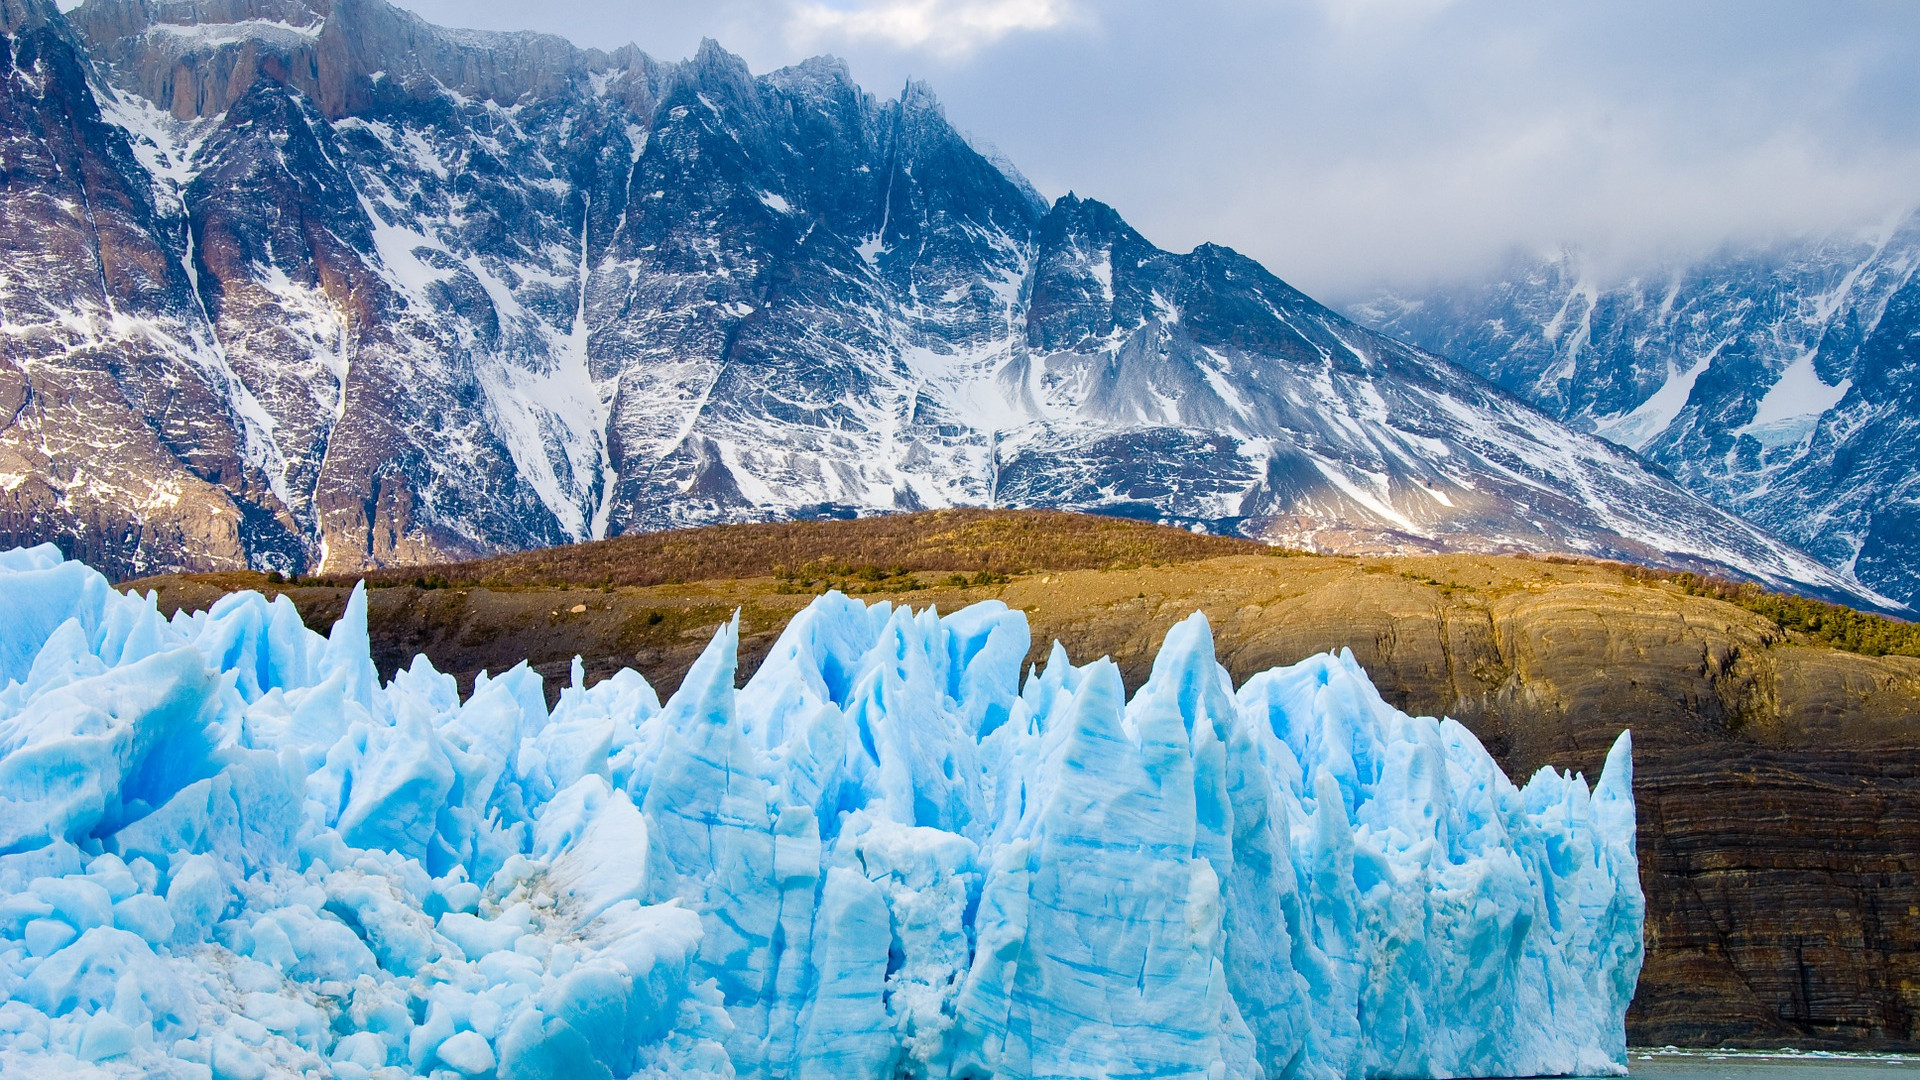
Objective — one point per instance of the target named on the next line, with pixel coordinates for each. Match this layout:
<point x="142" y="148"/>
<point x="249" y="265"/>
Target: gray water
<point x="1701" y="1065"/>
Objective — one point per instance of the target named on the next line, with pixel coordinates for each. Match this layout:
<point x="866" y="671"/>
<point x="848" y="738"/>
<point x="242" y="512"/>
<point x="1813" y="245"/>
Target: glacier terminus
<point x="228" y="849"/>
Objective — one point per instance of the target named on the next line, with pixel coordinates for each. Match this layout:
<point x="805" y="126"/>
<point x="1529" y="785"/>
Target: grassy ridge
<point x="1829" y="624"/>
<point x="1833" y="625"/>
<point x="969" y="542"/>
<point x="959" y="548"/>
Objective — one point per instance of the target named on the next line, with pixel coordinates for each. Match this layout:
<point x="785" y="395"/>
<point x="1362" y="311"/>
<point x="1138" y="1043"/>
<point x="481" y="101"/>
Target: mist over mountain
<point x="320" y="286"/>
<point x="1780" y="381"/>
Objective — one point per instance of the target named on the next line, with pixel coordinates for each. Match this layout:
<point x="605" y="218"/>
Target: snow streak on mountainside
<point x="1782" y="383"/>
<point x="318" y="285"/>
<point x="886" y="856"/>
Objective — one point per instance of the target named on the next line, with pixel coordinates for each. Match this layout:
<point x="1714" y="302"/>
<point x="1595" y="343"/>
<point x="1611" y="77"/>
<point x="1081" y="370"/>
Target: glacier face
<point x="227" y="849"/>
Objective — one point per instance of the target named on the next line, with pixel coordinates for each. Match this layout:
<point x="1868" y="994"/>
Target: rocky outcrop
<point x="112" y="438"/>
<point x="1789" y="882"/>
<point x="199" y="58"/>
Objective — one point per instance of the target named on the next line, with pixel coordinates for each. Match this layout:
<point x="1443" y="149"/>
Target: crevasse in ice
<point x="227" y="849"/>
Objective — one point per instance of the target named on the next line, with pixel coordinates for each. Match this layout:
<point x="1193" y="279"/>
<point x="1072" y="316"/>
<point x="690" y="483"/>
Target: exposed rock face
<point x="1780" y="816"/>
<point x="1780" y="821"/>
<point x="111" y="438"/>
<point x="361" y="291"/>
<point x="1792" y="879"/>
<point x="1782" y="383"/>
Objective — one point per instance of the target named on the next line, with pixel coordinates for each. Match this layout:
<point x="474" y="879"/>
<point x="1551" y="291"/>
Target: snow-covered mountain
<point x="314" y="284"/>
<point x="1781" y="382"/>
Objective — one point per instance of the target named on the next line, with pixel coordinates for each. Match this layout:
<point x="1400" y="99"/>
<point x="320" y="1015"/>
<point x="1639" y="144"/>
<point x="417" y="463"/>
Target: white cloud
<point x="949" y="27"/>
<point x="1621" y="193"/>
<point x="1374" y="15"/>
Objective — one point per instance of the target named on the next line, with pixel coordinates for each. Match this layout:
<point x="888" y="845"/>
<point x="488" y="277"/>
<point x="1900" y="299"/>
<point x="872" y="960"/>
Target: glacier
<point x="228" y="849"/>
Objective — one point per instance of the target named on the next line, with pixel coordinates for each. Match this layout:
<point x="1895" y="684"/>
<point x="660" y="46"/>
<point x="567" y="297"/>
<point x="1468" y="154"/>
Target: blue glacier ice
<point x="227" y="849"/>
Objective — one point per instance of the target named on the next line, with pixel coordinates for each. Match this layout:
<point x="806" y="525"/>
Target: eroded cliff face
<point x="1780" y="819"/>
<point x="110" y="437"/>
<point x="1776" y="780"/>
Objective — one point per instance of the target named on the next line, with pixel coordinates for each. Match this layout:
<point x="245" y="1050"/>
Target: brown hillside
<point x="1776" y="775"/>
<point x="970" y="541"/>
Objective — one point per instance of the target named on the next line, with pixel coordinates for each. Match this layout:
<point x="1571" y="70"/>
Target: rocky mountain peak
<point x="1087" y="223"/>
<point x="713" y="66"/>
<point x="195" y="58"/>
<point x="1777" y="380"/>
<point x="917" y="96"/>
<point x="22" y="16"/>
<point x="822" y="75"/>
<point x="354" y="290"/>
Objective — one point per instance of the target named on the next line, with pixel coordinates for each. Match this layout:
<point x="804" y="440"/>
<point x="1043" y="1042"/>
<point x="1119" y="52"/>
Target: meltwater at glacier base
<point x="227" y="849"/>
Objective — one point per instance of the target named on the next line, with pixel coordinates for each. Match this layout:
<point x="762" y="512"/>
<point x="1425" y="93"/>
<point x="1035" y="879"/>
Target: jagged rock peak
<point x="20" y="16"/>
<point x="716" y="78"/>
<point x="1074" y="216"/>
<point x="387" y="293"/>
<point x="712" y="59"/>
<point x="197" y="57"/>
<point x="917" y="95"/>
<point x="822" y="70"/>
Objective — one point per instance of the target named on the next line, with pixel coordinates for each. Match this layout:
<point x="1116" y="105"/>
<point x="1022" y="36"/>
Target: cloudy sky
<point x="1353" y="144"/>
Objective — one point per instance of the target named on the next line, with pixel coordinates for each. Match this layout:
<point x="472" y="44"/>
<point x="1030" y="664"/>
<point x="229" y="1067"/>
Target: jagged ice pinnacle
<point x="226" y="849"/>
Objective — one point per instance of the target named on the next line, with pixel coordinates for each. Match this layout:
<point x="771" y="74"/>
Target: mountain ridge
<point x="1777" y="380"/>
<point x="383" y="317"/>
